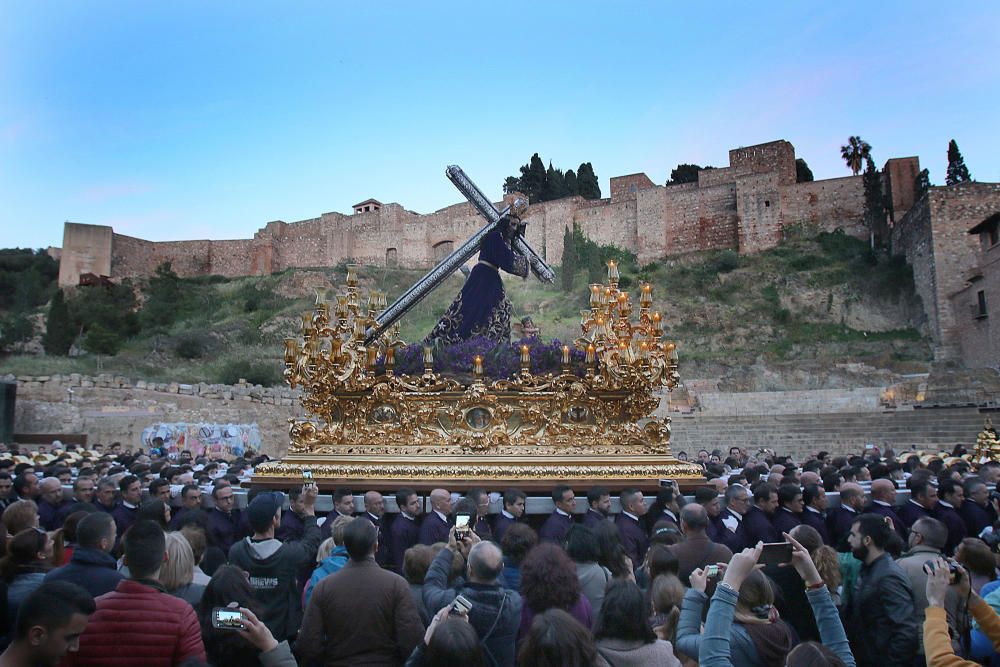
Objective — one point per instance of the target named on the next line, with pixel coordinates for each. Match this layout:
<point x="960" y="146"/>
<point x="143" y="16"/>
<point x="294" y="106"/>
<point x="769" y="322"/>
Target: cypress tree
<point x="957" y="171"/>
<point x="586" y="182"/>
<point x="569" y="183"/>
<point x="874" y="197"/>
<point x="568" y="269"/>
<point x="59" y="329"/>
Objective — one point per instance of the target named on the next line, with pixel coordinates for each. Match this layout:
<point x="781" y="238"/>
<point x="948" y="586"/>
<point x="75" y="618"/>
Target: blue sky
<point x="206" y="120"/>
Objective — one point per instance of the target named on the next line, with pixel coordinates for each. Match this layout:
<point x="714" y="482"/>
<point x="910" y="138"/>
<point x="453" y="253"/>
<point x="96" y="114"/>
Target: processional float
<point x="369" y="425"/>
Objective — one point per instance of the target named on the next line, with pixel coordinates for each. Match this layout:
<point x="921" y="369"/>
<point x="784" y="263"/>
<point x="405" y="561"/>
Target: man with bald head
<point x="839" y="521"/>
<point x="374" y="512"/>
<point x="435" y="526"/>
<point x="50" y="504"/>
<point x="884" y="503"/>
<point x="696" y="551"/>
<point x="496" y="611"/>
<point x="809" y="477"/>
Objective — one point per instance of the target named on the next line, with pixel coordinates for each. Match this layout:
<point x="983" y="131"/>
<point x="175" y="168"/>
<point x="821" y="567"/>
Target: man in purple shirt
<point x="51" y="503"/>
<point x="814" y="514"/>
<point x="223" y="521"/>
<point x="126" y="512"/>
<point x="598" y="506"/>
<point x="375" y="514"/>
<point x="884" y="504"/>
<point x="951" y="496"/>
<point x="513" y="509"/>
<point x="630" y="526"/>
<point x="436" y="525"/>
<point x="757" y="521"/>
<point x="840" y="520"/>
<point x="923" y="498"/>
<point x="404" y="531"/>
<point x="790" y="506"/>
<point x="556" y="526"/>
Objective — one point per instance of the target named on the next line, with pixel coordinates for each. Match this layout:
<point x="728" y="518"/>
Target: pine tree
<point x="568" y="268"/>
<point x="957" y="171"/>
<point x="59" y="328"/>
<point x="586" y="182"/>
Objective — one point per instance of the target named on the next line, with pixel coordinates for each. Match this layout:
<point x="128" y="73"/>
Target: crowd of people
<point x="113" y="557"/>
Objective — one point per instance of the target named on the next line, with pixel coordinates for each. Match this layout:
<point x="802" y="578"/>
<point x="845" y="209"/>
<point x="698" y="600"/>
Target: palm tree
<point x="855" y="153"/>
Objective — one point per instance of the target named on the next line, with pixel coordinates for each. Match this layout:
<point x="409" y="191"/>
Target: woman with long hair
<point x="582" y="547"/>
<point x="548" y="581"/>
<point x="556" y="639"/>
<point x="177" y="573"/>
<point x="23" y="568"/>
<point x="623" y="635"/>
<point x="612" y="552"/>
<point x="448" y="642"/>
<point x="224" y="647"/>
<point x="157" y="511"/>
<point x="517" y="541"/>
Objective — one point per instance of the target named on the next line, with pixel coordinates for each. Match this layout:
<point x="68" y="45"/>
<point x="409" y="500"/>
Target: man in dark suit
<point x="757" y="521"/>
<point x="481" y="524"/>
<point x="598" y="506"/>
<point x="737" y="505"/>
<point x="375" y="514"/>
<point x="630" y="527"/>
<point x="436" y="525"/>
<point x="343" y="505"/>
<point x="884" y="503"/>
<point x="404" y="531"/>
<point x="513" y="509"/>
<point x="977" y="511"/>
<point x="840" y="520"/>
<point x="814" y="514"/>
<point x="555" y="527"/>
<point x="923" y="498"/>
<point x="696" y="551"/>
<point x="708" y="497"/>
<point x="951" y="497"/>
<point x="790" y="508"/>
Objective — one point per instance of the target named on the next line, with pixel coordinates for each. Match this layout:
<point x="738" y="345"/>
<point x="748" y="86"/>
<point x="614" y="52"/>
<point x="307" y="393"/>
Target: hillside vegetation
<point x="808" y="303"/>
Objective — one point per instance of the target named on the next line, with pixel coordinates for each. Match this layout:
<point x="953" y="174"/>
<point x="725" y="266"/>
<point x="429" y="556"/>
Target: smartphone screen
<point x="227" y="619"/>
<point x="775" y="553"/>
<point x="462" y="522"/>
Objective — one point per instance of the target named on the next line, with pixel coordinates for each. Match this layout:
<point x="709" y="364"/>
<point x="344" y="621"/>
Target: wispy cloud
<point x="102" y="192"/>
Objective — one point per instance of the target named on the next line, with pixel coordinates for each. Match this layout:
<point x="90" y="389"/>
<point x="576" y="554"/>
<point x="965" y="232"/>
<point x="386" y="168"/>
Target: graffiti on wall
<point x="212" y="440"/>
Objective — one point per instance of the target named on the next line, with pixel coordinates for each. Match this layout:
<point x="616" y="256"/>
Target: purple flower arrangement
<point x="500" y="360"/>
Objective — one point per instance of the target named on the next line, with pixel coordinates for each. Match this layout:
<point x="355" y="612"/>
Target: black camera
<point x="954" y="571"/>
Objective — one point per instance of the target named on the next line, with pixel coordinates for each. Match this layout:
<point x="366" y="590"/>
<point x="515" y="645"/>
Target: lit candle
<point x="390" y="358"/>
<point x="352" y="275"/>
<point x="606" y="296"/>
<point x="646" y="298"/>
<point x="334" y="349"/>
<point x="565" y="355"/>
<point x="643" y="350"/>
<point x="428" y="356"/>
<point x="591" y="354"/>
<point x="477" y="366"/>
<point x="372" y="355"/>
<point x="613" y="274"/>
<point x="525" y="356"/>
<point x="595" y="295"/>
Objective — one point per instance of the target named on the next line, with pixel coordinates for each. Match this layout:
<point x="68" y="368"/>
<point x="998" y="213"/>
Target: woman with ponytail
<point x="28" y="558"/>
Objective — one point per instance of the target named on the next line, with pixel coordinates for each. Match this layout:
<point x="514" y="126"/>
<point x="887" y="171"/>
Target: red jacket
<point x="139" y="624"/>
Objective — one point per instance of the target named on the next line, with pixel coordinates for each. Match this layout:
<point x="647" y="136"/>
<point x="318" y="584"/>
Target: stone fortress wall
<point x="747" y="206"/>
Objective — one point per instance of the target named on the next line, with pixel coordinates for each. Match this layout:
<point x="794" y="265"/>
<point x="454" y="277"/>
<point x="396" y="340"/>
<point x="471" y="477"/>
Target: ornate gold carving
<point x="393" y="419"/>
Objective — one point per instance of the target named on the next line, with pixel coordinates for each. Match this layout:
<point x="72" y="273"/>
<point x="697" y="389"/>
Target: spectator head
<point x="599" y="500"/>
<point x="160" y="490"/>
<point x="51" y="491"/>
<point x="264" y="513"/>
<point x="360" y="540"/>
<point x="790" y="498"/>
<point x="989" y="472"/>
<point x="485" y="563"/>
<point x="665" y="533"/>
<point x="374" y="503"/>
<point x="343" y="502"/>
<point x="977" y="558"/>
<point x="557" y="639"/>
<point x="6" y="485"/>
<point x="923" y="492"/>
<point x="26" y="485"/>
<point x="951" y="492"/>
<point x="156" y="510"/>
<point x="809" y="477"/>
<point x="737" y="499"/>
<point x="337" y="529"/>
<point x="765" y="497"/>
<point x="814" y="496"/>
<point x="416" y="562"/>
<point x="884" y="490"/>
<point x="224" y="497"/>
<point x="624" y="614"/>
<point x="454" y="642"/>
<point x="564" y="498"/>
<point x="178" y="570"/>
<point x="480" y="501"/>
<point x="83" y="489"/>
<point x="929" y="532"/>
<point x="612" y="552"/>
<point x="548" y="579"/>
<point x="191" y="497"/>
<point x="756" y="597"/>
<point x="976" y="491"/>
<point x="694" y="519"/>
<point x="633" y="502"/>
<point x="50" y="622"/>
<point x="812" y="654"/>
<point x="97" y="531"/>
<point x="519" y="539"/>
<point x="832" y="482"/>
<point x="581" y="544"/>
<point x="708" y="497"/>
<point x="514" y="501"/>
<point x="408" y="502"/>
<point x="852" y="495"/>
<point x="20" y="515"/>
<point x="30" y="547"/>
<point x="131" y="489"/>
<point x="106" y="492"/>
<point x="196" y="538"/>
<point x="666" y="594"/>
<point x="661" y="560"/>
<point x="869" y="536"/>
<point x="441" y="501"/>
<point x="145" y="550"/>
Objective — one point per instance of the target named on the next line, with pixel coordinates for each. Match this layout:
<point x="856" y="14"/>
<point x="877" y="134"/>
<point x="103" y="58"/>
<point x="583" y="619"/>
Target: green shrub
<point x="268" y="374"/>
<point x="190" y="346"/>
<point x="727" y="261"/>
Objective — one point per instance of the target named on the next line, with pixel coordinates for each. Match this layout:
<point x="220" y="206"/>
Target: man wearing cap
<point x="273" y="565"/>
